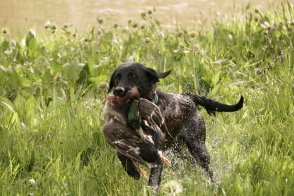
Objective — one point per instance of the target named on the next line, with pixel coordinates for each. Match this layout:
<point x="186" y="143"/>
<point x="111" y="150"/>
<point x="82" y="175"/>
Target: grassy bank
<point x="52" y="91"/>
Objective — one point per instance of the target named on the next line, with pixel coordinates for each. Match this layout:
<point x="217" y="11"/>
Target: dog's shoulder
<point x="172" y="104"/>
<point x="181" y="100"/>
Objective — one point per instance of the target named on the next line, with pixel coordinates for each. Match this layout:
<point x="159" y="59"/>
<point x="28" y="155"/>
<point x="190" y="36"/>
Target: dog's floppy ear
<point x="111" y="82"/>
<point x="164" y="74"/>
<point x="154" y="75"/>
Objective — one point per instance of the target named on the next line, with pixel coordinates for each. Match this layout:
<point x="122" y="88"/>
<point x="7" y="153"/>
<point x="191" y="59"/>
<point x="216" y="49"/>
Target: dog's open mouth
<point x="115" y="98"/>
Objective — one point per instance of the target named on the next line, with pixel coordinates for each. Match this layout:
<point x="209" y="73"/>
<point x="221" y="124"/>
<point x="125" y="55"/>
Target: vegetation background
<point x="53" y="87"/>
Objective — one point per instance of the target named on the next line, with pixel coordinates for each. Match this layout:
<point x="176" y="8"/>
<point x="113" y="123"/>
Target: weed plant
<point x="53" y="87"/>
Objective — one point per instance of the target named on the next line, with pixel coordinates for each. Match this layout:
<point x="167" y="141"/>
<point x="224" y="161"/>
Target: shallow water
<point x="21" y="15"/>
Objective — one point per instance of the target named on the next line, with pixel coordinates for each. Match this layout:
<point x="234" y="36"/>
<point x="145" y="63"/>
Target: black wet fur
<point x="180" y="112"/>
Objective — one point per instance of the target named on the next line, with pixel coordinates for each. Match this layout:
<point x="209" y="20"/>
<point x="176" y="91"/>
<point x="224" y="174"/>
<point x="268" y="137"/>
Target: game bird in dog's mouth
<point x="134" y="128"/>
<point x="183" y="123"/>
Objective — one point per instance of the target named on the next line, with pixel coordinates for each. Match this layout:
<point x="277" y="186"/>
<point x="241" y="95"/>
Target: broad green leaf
<point x="6" y="103"/>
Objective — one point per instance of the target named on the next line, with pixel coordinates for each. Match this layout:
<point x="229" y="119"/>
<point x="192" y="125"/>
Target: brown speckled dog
<point x="179" y="111"/>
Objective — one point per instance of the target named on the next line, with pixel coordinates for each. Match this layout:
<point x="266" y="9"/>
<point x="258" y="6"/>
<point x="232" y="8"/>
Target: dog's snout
<point x="119" y="91"/>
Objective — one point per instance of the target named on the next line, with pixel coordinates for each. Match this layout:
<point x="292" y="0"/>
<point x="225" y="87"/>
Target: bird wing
<point x="152" y="117"/>
<point x="150" y="111"/>
<point x="129" y="149"/>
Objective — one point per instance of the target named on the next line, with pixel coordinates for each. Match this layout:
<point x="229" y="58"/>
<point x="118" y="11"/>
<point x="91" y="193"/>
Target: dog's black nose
<point x="119" y="91"/>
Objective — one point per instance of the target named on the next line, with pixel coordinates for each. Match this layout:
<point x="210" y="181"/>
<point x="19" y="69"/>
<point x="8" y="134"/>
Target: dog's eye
<point x="131" y="76"/>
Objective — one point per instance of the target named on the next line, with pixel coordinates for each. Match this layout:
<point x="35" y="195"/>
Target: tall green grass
<point x="53" y="86"/>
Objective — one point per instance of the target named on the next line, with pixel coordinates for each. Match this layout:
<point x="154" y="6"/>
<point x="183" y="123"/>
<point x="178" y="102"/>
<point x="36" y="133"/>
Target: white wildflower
<point x="32" y="181"/>
<point x="172" y="187"/>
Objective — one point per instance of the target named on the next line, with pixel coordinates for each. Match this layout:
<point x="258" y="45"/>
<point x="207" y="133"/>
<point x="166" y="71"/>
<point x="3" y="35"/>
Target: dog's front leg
<point x="155" y="178"/>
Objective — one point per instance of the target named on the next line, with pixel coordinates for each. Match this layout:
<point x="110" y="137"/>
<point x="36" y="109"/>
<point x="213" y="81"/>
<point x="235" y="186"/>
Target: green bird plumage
<point x="134" y="119"/>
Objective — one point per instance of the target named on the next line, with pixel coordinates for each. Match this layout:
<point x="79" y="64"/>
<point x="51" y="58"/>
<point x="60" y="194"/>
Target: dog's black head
<point x="130" y="75"/>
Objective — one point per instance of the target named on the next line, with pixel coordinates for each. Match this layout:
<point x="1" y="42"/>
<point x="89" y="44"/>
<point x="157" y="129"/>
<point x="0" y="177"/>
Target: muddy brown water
<point x="18" y="16"/>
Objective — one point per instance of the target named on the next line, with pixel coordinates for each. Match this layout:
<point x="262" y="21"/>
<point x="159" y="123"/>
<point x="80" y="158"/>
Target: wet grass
<point x="53" y="86"/>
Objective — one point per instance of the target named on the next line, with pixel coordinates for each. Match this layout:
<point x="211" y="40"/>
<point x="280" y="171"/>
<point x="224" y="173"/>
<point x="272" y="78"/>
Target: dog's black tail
<point x="213" y="106"/>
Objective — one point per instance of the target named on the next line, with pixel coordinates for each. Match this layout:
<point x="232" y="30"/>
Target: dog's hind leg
<point x="194" y="134"/>
<point x="201" y="155"/>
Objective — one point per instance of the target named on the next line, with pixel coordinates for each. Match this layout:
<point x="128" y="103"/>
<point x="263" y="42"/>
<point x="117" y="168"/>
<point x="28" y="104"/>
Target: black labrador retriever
<point x="180" y="112"/>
